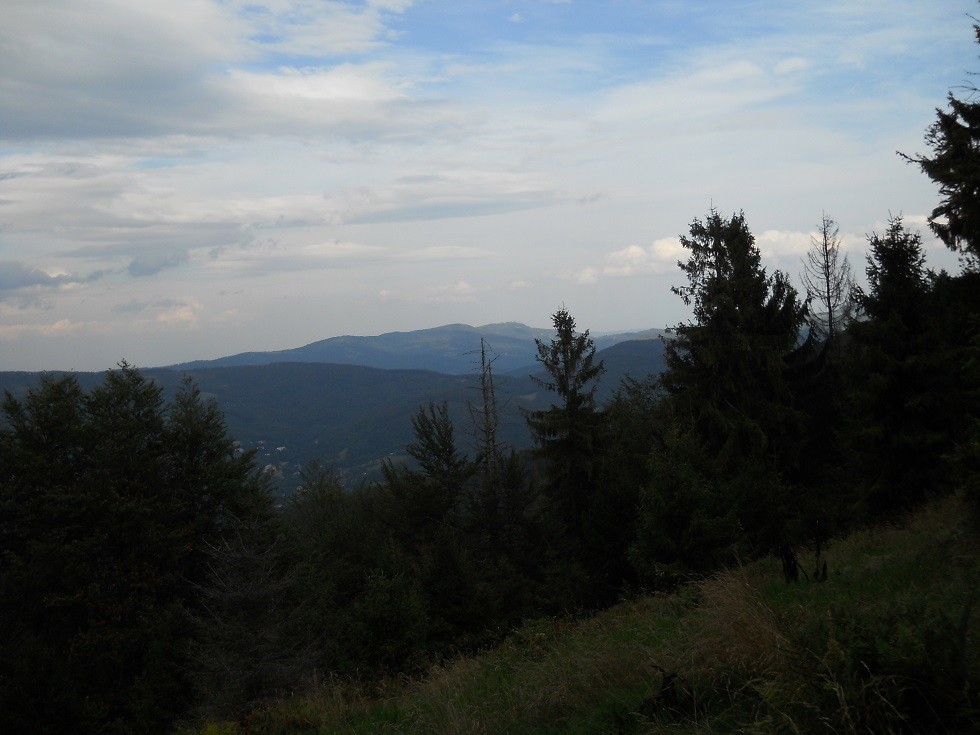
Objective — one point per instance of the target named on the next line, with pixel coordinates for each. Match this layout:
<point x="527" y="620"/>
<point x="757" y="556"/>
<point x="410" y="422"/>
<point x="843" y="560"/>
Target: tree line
<point x="146" y="576"/>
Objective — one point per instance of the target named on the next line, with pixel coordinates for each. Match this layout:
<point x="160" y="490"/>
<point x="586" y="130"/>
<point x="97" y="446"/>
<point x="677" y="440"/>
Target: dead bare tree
<point x="828" y="280"/>
<point x="485" y="419"/>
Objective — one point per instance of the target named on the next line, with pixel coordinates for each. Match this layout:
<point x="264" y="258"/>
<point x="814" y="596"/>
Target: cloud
<point x="300" y="156"/>
<point x="57" y="328"/>
<point x="463" y="193"/>
<point x="165" y="312"/>
<point x="276" y="257"/>
<point x="16" y="275"/>
<point x="350" y="83"/>
<point x="443" y="252"/>
<point x="180" y="315"/>
<point x="337" y="254"/>
<point x="658" y="257"/>
<point x="459" y="291"/>
<point x="108" y="67"/>
<point x="662" y="255"/>
<point x="584" y="276"/>
<point x="320" y="28"/>
<point x="149" y="264"/>
<point x="135" y="306"/>
<point x="456" y="209"/>
<point x="775" y="244"/>
<point x="80" y="69"/>
<point x="792" y="65"/>
<point x="454" y="293"/>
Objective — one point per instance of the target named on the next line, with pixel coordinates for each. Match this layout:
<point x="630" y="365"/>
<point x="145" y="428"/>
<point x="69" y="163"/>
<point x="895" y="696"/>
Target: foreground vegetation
<point x="885" y="644"/>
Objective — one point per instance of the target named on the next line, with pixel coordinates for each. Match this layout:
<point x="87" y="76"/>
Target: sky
<point x="187" y="179"/>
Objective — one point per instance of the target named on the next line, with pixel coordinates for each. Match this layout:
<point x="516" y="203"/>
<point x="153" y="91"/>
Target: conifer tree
<point x="108" y="500"/>
<point x="727" y="384"/>
<point x="443" y="467"/>
<point x="566" y="434"/>
<point x="727" y="367"/>
<point x="955" y="166"/>
<point x="901" y="385"/>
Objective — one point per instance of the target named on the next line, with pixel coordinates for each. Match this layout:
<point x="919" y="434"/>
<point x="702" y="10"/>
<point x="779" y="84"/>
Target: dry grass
<point x="739" y="652"/>
<point x="546" y="677"/>
<point x="733" y="629"/>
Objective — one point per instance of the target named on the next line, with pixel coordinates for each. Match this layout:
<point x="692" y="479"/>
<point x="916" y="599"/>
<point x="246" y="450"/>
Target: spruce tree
<point x="955" y="166"/>
<point x="108" y="500"/>
<point x="728" y="385"/>
<point x="902" y="388"/>
<point x="566" y="434"/>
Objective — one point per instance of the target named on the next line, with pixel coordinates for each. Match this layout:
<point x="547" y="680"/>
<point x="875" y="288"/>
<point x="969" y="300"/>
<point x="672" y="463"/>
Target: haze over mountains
<point x="453" y="349"/>
<point x="348" y="401"/>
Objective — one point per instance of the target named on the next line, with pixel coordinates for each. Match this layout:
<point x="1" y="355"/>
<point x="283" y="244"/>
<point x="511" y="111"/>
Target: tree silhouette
<point x="827" y="279"/>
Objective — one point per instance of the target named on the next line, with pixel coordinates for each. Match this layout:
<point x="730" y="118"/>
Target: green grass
<point x="887" y="644"/>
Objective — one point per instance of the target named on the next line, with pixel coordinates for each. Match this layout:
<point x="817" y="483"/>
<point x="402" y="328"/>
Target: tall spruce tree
<point x="902" y="389"/>
<point x="728" y="389"/>
<point x="430" y="503"/>
<point x="566" y="435"/>
<point x="108" y="500"/>
<point x="728" y="366"/>
<point x="955" y="166"/>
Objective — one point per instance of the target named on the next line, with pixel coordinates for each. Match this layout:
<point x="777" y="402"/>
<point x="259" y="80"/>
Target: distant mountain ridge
<point x="452" y="349"/>
<point x="293" y="408"/>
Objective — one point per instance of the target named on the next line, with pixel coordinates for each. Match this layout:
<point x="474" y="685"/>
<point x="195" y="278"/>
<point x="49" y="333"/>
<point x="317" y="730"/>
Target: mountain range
<point x="453" y="349"/>
<point x="348" y="402"/>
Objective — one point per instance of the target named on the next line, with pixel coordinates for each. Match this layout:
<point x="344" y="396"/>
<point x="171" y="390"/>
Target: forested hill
<point x="351" y="417"/>
<point x="452" y="349"/>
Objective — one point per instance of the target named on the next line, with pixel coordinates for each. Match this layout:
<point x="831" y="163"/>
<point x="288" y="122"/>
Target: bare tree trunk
<point x="827" y="278"/>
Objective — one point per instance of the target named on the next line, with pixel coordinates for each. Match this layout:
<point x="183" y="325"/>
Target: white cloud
<point x="179" y="315"/>
<point x="276" y="257"/>
<point x="792" y="65"/>
<point x="107" y="67"/>
<point x="583" y="276"/>
<point x="58" y="328"/>
<point x="780" y="244"/>
<point x="659" y="257"/>
<point x="346" y="82"/>
<point x="97" y="68"/>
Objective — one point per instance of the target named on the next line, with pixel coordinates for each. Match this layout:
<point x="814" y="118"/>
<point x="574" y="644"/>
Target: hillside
<point x="884" y="645"/>
<point x="350" y="417"/>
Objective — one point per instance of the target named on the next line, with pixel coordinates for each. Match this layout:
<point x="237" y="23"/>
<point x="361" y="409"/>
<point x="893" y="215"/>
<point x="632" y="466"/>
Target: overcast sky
<point x="186" y="179"/>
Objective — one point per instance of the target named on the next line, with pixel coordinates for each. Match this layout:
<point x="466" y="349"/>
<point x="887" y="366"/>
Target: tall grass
<point x="888" y="644"/>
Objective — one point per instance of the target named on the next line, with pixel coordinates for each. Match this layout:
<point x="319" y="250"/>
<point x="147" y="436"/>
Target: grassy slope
<point x="888" y="644"/>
